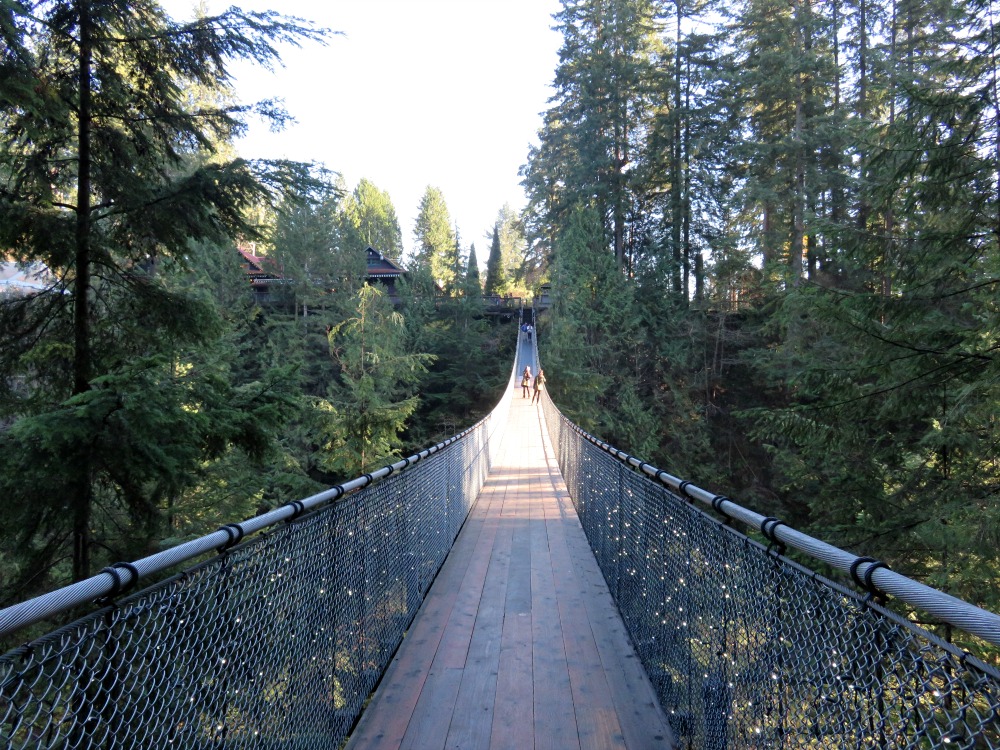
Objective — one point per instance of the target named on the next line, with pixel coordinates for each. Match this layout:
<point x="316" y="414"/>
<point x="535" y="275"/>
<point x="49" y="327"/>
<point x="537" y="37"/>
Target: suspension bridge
<point x="522" y="584"/>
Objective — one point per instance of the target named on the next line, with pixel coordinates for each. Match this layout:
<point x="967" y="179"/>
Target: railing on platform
<point x="275" y="642"/>
<point x="746" y="648"/>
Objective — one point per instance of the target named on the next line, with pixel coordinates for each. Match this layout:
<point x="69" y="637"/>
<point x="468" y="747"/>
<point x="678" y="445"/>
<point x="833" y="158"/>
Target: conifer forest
<point x="773" y="226"/>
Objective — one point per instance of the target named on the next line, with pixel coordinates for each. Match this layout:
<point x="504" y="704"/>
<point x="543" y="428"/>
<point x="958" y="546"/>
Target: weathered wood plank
<point x="555" y="716"/>
<point x="404" y="680"/>
<point x="597" y="719"/>
<point x="642" y="721"/>
<point x="513" y="711"/>
<point x="473" y="718"/>
<point x="454" y="648"/>
<point x="430" y="725"/>
<point x="518" y="644"/>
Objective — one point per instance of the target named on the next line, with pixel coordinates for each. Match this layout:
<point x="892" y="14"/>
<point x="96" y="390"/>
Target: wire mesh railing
<point x="275" y="642"/>
<point x="746" y="648"/>
<point x="278" y="640"/>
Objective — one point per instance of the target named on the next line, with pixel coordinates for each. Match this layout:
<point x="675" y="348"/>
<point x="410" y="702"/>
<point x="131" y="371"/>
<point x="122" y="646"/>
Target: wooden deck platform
<point x="518" y="644"/>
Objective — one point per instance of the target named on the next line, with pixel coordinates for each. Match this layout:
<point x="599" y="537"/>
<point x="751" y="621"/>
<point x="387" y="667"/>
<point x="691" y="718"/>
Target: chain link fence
<point x="276" y="642"/>
<point x="747" y="649"/>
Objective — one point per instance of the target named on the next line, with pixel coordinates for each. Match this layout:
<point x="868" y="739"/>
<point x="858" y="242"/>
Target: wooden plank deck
<point x="518" y="644"/>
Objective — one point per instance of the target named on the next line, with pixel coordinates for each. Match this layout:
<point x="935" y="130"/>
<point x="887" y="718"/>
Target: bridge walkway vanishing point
<point x="518" y="644"/>
<point x="458" y="585"/>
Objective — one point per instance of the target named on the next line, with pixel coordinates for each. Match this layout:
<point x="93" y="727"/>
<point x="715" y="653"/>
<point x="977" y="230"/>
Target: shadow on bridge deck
<point x="518" y="644"/>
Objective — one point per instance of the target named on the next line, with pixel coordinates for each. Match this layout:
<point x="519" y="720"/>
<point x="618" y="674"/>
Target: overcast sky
<point x="417" y="92"/>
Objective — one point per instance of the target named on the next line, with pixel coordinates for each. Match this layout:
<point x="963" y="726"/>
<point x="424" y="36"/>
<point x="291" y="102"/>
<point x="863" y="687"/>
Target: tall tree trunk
<point x="619" y="220"/>
<point x="889" y="222"/>
<point x="864" y="209"/>
<point x="698" y="266"/>
<point x="81" y="291"/>
<point x="836" y="162"/>
<point x="798" y="248"/>
<point x="681" y="280"/>
<point x="995" y="93"/>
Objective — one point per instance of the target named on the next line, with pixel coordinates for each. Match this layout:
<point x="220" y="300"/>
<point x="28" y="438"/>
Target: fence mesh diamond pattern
<point x="747" y="649"/>
<point x="276" y="643"/>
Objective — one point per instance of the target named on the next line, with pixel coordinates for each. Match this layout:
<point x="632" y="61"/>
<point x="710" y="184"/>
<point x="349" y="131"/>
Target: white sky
<point x="417" y="92"/>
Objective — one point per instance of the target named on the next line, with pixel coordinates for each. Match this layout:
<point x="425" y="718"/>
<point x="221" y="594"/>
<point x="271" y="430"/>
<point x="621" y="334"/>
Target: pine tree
<point x="316" y="248"/>
<point x="435" y="239"/>
<point x="595" y="131"/>
<point x="99" y="149"/>
<point x="473" y="287"/>
<point x="375" y="388"/>
<point x="592" y="319"/>
<point x="455" y="260"/>
<point x="495" y="278"/>
<point x="512" y="249"/>
<point x="375" y="219"/>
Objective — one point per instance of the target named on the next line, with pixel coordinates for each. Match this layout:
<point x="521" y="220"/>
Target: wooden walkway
<point x="518" y="644"/>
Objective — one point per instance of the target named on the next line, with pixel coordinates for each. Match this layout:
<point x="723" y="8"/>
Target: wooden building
<point x="384" y="272"/>
<point x="265" y="276"/>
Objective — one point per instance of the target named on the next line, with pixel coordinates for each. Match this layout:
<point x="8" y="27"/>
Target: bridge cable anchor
<point x="682" y="488"/>
<point x="235" y="533"/>
<point x="865" y="582"/>
<point x="767" y="527"/>
<point x="717" y="502"/>
<point x="117" y="588"/>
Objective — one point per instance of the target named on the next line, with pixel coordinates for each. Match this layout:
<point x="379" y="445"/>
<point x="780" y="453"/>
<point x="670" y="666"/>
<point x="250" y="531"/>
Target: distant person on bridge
<point x="525" y="381"/>
<point x="539" y="382"/>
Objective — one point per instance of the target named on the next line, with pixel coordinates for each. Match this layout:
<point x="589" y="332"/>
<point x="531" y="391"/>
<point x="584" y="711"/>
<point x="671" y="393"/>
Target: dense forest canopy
<point x="773" y="226"/>
<point x="146" y="394"/>
<point x="801" y="203"/>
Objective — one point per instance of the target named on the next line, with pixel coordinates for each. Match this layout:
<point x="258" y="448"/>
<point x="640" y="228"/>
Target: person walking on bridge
<point x="539" y="382"/>
<point x="525" y="381"/>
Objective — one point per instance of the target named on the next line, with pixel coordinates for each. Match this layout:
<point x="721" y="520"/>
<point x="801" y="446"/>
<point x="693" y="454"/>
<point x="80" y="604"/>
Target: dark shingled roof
<point x="380" y="267"/>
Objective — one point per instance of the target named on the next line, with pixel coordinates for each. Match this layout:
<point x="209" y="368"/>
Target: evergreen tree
<point x="316" y="249"/>
<point x="458" y="268"/>
<point x="495" y="277"/>
<point x="592" y="321"/>
<point x="511" y="239"/>
<point x="473" y="287"/>
<point x="375" y="219"/>
<point x="102" y="184"/>
<point x="595" y="132"/>
<point x="375" y="388"/>
<point x="236" y="483"/>
<point x="435" y="239"/>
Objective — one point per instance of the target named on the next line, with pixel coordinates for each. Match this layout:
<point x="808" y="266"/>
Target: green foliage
<point x="771" y="233"/>
<point x="315" y="248"/>
<point x="495" y="277"/>
<point x="108" y="172"/>
<point x="472" y="287"/>
<point x="592" y="319"/>
<point x="436" y="241"/>
<point x="802" y="202"/>
<point x="374" y="392"/>
<point x="504" y="268"/>
<point x="593" y="133"/>
<point x="371" y="212"/>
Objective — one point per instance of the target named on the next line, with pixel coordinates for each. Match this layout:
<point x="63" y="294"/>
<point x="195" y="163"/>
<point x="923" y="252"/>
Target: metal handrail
<point x="122" y="576"/>
<point x="872" y="574"/>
